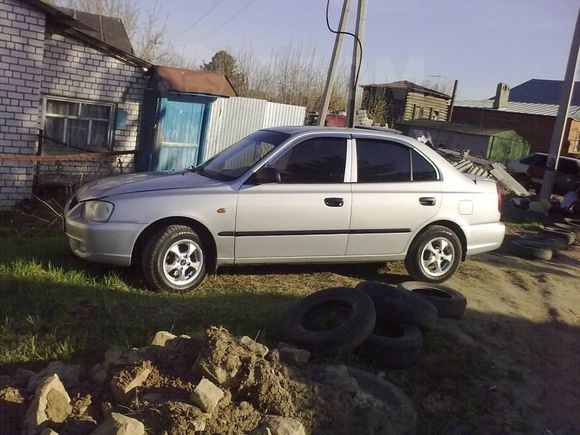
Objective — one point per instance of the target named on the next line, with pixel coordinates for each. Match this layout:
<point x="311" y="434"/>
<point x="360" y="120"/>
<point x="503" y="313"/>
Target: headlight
<point x="98" y="211"/>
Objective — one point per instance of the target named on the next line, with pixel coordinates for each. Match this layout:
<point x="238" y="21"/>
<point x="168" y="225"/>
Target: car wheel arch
<point x="203" y="232"/>
<point x="453" y="226"/>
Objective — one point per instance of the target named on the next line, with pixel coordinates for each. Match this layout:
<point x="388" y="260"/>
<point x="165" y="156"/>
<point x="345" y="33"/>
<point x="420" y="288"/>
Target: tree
<point x="145" y="32"/>
<point x="224" y="63"/>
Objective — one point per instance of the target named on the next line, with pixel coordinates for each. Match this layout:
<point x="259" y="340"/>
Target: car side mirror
<point x="266" y="175"/>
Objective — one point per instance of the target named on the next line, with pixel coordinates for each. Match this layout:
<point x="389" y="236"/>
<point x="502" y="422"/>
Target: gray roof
<point x="516" y="107"/>
<point x="109" y="30"/>
<point x="542" y="91"/>
<point x="456" y="127"/>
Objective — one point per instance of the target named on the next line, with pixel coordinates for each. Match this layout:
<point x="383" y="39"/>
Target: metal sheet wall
<point x="233" y="118"/>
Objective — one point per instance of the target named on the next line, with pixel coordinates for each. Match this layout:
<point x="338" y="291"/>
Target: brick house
<point x="77" y="104"/>
<point x="60" y="76"/>
<point x="530" y="109"/>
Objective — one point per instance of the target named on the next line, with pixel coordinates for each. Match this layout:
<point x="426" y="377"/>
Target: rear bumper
<point x="485" y="237"/>
<point x="110" y="243"/>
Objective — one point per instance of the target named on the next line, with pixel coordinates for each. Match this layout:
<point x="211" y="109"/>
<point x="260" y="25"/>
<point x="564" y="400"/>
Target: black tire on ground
<point x="333" y="321"/>
<point x="566" y="226"/>
<point x="554" y="243"/>
<point x="392" y="345"/>
<point x="448" y="302"/>
<point x="533" y="250"/>
<point x="433" y="236"/>
<point x="404" y="415"/>
<point x="159" y="249"/>
<point x="574" y="222"/>
<point x="568" y="236"/>
<point x="400" y="305"/>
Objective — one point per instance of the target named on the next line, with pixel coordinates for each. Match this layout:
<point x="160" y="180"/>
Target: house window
<point x="78" y="124"/>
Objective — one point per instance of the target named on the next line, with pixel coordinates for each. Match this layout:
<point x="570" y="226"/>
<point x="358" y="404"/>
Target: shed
<point x="406" y="100"/>
<point x="494" y="144"/>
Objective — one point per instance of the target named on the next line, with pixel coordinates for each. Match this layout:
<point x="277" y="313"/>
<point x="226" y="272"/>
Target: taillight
<point x="499" y="197"/>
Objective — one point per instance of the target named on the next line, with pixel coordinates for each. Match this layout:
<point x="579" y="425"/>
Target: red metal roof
<point x="198" y="82"/>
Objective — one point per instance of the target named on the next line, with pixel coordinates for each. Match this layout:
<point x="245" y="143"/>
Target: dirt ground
<point x="515" y="356"/>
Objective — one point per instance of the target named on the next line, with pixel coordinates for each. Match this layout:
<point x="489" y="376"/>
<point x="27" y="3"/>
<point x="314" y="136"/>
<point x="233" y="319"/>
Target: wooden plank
<point x="507" y="180"/>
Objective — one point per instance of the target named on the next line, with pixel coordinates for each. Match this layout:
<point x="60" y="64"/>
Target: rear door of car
<point x="307" y="214"/>
<point x="395" y="190"/>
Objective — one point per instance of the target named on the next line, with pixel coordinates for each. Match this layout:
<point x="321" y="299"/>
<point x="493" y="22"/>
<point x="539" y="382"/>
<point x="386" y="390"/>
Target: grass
<point x="54" y="306"/>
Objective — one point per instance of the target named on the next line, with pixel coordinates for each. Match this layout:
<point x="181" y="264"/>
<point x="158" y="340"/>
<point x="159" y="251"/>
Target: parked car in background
<point x="290" y="195"/>
<point x="529" y="171"/>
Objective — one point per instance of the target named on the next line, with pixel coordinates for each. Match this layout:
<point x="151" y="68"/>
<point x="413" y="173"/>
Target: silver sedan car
<point x="290" y="195"/>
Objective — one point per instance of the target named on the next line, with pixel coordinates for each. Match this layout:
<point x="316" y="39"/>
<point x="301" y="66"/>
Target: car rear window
<point x="422" y="169"/>
<point x="382" y="161"/>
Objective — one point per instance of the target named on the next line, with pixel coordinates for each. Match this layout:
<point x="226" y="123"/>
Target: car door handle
<point x="427" y="200"/>
<point x="334" y="202"/>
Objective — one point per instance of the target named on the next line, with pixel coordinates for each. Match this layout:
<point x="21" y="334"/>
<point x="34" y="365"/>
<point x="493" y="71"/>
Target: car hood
<point x="143" y="182"/>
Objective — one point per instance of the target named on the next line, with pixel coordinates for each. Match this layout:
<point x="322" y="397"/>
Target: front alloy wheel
<point x="174" y="259"/>
<point x="434" y="255"/>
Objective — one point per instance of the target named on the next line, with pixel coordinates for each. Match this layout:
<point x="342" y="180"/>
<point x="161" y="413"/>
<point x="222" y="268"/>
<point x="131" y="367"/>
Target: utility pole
<point x="452" y="103"/>
<point x="562" y="117"/>
<point x="331" y="76"/>
<point x="356" y="59"/>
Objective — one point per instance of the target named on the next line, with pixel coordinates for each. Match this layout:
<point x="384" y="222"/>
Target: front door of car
<point x="306" y="214"/>
<point x="396" y="191"/>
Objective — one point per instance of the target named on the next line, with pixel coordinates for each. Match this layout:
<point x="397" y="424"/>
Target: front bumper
<point x="108" y="242"/>
<point x="485" y="237"/>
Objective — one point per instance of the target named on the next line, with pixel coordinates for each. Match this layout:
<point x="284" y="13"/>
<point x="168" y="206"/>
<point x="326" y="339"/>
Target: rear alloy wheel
<point x="174" y="260"/>
<point x="434" y="255"/>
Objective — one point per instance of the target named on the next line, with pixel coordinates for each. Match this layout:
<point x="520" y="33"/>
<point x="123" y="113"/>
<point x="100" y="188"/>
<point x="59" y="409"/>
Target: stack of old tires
<point x="548" y="242"/>
<point x="384" y="324"/>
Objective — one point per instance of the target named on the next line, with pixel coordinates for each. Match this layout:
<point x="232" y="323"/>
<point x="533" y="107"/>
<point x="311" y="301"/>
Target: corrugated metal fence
<point x="232" y="119"/>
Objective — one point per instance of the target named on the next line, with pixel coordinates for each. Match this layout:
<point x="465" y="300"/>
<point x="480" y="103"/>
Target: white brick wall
<point x="75" y="70"/>
<point x="21" y="54"/>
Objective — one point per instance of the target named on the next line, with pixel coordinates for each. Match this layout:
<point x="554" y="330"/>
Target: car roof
<point x="574" y="159"/>
<point x="291" y="130"/>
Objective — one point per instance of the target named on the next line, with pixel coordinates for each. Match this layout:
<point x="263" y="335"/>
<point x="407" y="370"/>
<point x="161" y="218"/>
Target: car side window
<point x="422" y="169"/>
<point x="567" y="167"/>
<point x="319" y="160"/>
<point x="382" y="161"/>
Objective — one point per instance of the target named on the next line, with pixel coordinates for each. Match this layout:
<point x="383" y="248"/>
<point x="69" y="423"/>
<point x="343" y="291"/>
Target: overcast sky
<point x="478" y="42"/>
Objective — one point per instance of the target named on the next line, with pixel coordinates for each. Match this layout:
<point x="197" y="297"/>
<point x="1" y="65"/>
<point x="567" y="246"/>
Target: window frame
<point x="296" y="141"/>
<point x="81" y="102"/>
<point x="410" y="148"/>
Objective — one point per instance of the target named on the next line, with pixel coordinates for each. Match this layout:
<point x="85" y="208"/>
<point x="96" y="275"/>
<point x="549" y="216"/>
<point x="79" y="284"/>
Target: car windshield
<point x="234" y="161"/>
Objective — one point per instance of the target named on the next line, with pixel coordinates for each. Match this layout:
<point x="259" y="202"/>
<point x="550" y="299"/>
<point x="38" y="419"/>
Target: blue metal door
<point x="179" y="135"/>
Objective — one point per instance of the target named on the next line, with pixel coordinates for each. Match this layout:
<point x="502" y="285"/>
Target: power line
<point x="229" y="20"/>
<point x="200" y="19"/>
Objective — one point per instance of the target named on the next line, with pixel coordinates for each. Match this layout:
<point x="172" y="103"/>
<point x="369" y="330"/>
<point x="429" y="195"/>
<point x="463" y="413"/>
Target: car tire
<point x="404" y="419"/>
<point x="449" y="303"/>
<point x="351" y="312"/>
<point x="566" y="226"/>
<point x="574" y="222"/>
<point x="568" y="236"/>
<point x="392" y="345"/>
<point x="174" y="260"/>
<point x="430" y="243"/>
<point x="400" y="305"/>
<point x="534" y="250"/>
<point x="555" y="243"/>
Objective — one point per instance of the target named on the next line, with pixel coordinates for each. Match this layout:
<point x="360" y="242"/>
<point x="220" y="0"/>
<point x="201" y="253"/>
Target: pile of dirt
<point x="219" y="385"/>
